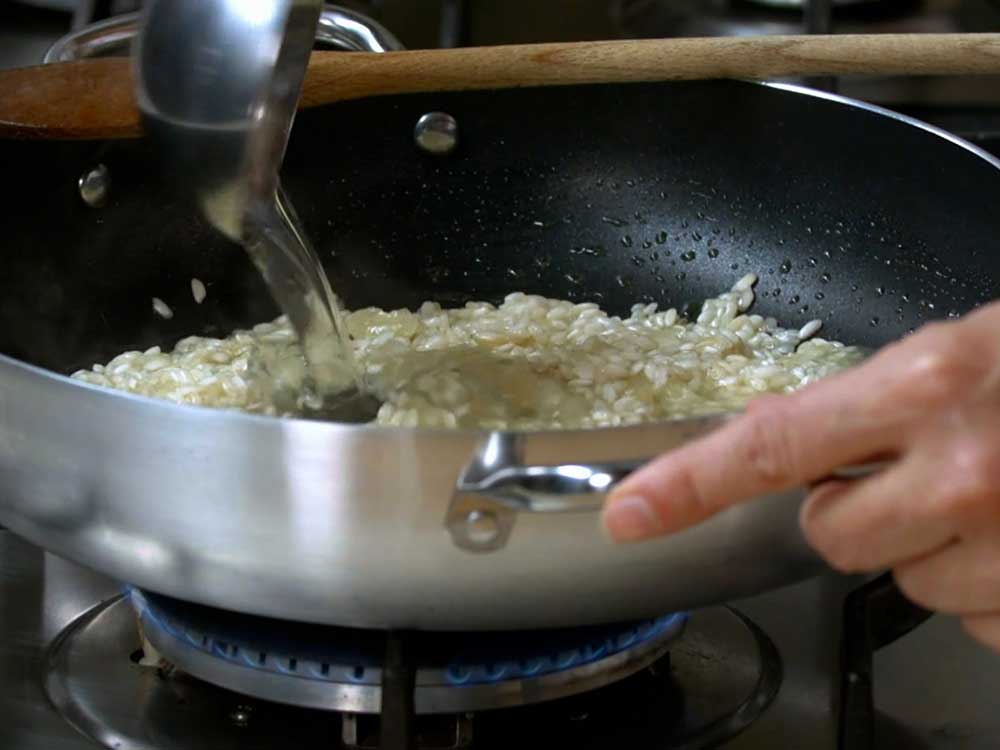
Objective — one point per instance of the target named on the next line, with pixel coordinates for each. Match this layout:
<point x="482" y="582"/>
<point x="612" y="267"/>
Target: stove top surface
<point x="934" y="688"/>
<point x="717" y="679"/>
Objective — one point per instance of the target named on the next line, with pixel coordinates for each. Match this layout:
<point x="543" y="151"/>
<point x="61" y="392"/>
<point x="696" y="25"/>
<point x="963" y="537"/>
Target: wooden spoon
<point x="93" y="99"/>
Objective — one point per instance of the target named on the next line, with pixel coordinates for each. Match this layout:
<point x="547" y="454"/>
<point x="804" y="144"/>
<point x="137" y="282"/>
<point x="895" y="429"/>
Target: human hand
<point x="930" y="404"/>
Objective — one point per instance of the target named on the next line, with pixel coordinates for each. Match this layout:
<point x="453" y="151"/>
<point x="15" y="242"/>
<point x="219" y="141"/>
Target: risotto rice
<point x="529" y="363"/>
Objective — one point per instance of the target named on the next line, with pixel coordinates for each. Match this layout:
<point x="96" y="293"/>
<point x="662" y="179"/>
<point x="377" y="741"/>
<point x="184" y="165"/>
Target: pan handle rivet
<point x="436" y="133"/>
<point x="94" y="186"/>
<point x="482" y="526"/>
<point x="240" y="716"/>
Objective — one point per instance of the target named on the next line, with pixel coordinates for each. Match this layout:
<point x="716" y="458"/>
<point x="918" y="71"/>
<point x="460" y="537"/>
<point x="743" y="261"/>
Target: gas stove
<point x="87" y="662"/>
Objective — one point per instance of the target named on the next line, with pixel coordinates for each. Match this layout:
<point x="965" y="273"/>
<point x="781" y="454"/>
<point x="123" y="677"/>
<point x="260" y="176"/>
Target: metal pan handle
<point x="579" y="487"/>
<point x="552" y="489"/>
<point x="497" y="486"/>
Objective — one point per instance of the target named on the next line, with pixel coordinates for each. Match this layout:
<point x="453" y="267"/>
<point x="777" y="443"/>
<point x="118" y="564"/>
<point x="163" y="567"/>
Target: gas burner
<point x="340" y="669"/>
<point x="697" y="684"/>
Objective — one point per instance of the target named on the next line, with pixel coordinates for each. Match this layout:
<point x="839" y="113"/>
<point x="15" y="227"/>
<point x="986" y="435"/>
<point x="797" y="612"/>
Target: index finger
<point x="778" y="443"/>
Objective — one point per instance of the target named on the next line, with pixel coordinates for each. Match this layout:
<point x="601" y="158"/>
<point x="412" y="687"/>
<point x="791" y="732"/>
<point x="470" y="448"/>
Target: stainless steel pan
<point x="886" y="223"/>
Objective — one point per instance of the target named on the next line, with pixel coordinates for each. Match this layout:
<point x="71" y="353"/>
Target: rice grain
<point x="528" y="363"/>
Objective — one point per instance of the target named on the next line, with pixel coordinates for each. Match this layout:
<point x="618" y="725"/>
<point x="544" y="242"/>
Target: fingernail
<point x="631" y="518"/>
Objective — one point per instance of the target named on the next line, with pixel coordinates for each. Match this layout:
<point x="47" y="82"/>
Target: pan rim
<point x="955" y="140"/>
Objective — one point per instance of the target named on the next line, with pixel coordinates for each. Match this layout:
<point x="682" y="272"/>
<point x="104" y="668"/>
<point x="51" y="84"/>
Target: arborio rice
<point x="530" y="363"/>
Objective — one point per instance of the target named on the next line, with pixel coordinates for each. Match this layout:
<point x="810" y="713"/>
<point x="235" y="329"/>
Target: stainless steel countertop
<point x="934" y="688"/>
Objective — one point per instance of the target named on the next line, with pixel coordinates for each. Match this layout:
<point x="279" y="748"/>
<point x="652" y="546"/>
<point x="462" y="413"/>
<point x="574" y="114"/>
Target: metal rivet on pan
<point x="240" y="716"/>
<point x="436" y="133"/>
<point x="482" y="526"/>
<point x="94" y="186"/>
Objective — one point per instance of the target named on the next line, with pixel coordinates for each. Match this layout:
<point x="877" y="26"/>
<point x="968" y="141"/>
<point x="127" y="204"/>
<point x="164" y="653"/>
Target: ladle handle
<point x="93" y="99"/>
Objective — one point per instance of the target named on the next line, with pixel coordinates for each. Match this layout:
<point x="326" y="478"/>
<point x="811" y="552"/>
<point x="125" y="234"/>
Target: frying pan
<point x="870" y="221"/>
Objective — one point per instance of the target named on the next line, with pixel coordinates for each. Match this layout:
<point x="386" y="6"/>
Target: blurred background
<point x="968" y="106"/>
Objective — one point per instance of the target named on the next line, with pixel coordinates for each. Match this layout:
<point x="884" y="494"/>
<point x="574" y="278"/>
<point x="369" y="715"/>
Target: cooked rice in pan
<point x="529" y="363"/>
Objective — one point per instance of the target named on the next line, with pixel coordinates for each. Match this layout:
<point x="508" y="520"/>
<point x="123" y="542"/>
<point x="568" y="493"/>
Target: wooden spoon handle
<point x="82" y="99"/>
<point x="756" y="58"/>
<point x="94" y="98"/>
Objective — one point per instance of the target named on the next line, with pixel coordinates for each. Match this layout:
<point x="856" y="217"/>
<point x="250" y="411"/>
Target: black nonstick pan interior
<point x="619" y="194"/>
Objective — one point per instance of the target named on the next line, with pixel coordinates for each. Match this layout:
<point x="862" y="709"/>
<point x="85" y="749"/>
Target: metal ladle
<point x="218" y="83"/>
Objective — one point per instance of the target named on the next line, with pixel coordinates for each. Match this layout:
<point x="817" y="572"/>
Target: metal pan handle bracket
<point x="497" y="485"/>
